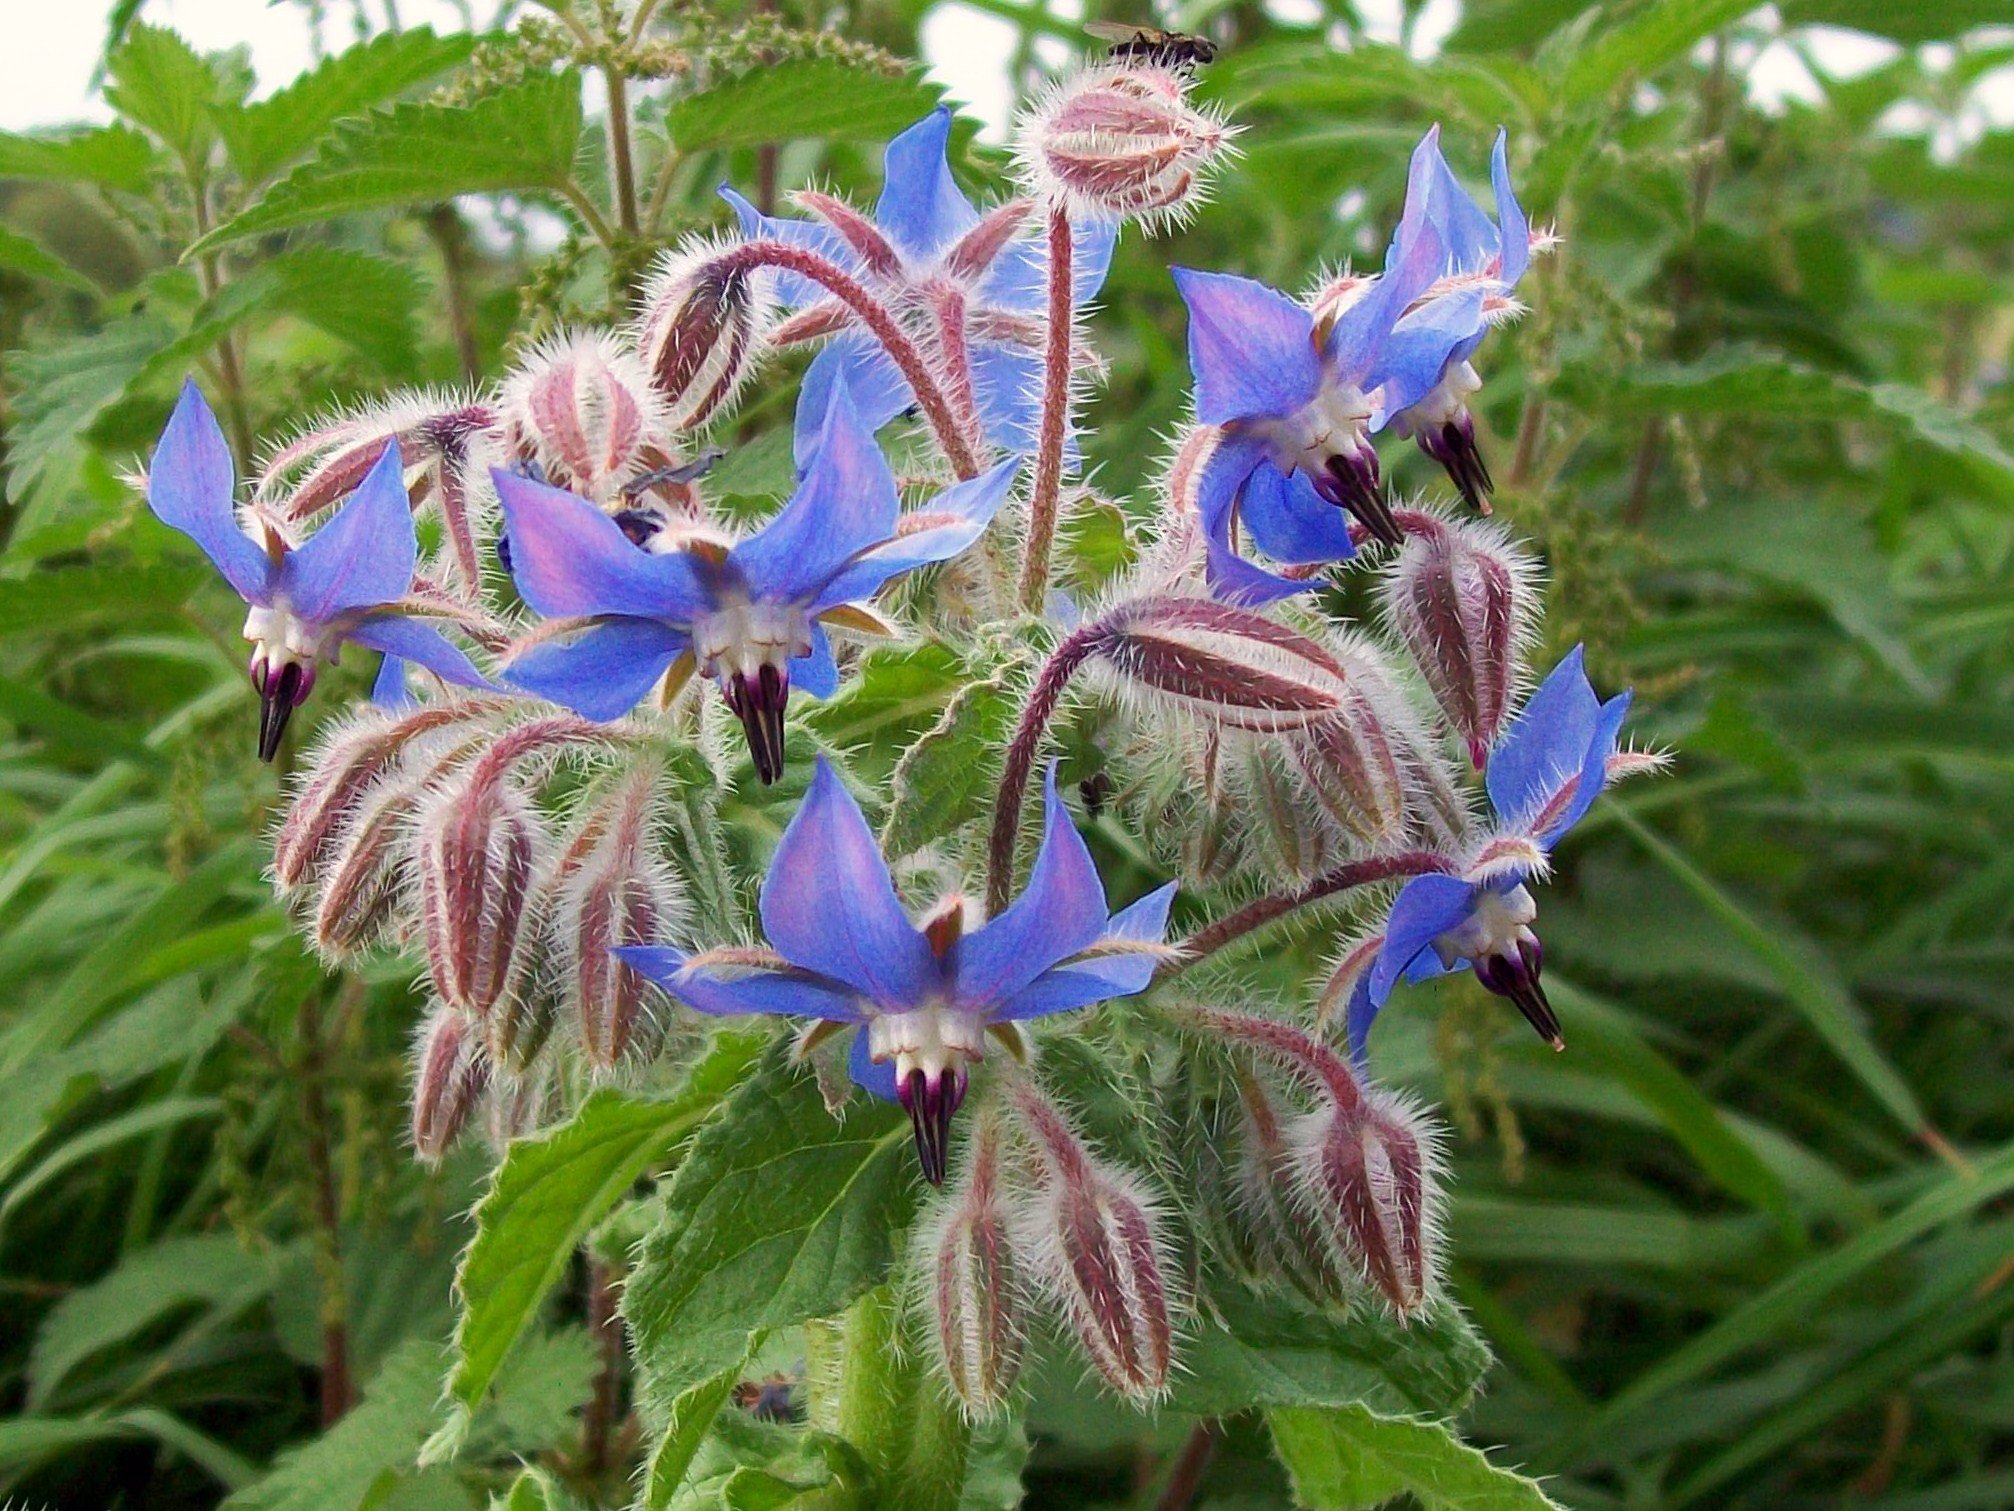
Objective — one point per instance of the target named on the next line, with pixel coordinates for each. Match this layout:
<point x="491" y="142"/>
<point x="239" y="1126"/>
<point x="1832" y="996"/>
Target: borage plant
<point x="1181" y="1178"/>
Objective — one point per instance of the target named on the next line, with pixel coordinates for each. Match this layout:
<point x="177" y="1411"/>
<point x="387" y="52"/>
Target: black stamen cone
<point x="1352" y="482"/>
<point x="758" y="702"/>
<point x="277" y="701"/>
<point x="1453" y="445"/>
<point x="930" y="1105"/>
<point x="1516" y="978"/>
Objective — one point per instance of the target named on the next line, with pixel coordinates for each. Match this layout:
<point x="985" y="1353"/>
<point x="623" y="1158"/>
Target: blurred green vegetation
<point x="1747" y="1244"/>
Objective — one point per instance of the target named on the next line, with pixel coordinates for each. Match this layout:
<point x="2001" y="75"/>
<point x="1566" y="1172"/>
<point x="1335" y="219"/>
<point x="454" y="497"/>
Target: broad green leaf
<point x="805" y="97"/>
<point x="112" y="157"/>
<point x="65" y="385"/>
<point x="690" y="1418"/>
<point x="535" y="1490"/>
<point x="896" y="695"/>
<point x="1273" y="1349"/>
<point x="20" y="255"/>
<point x="264" y="137"/>
<point x="1643" y="43"/>
<point x="780" y="1212"/>
<point x="947" y="777"/>
<point x="369" y="302"/>
<point x="157" y="80"/>
<point x="1344" y="1459"/>
<point x="546" y="1196"/>
<point x="523" y="137"/>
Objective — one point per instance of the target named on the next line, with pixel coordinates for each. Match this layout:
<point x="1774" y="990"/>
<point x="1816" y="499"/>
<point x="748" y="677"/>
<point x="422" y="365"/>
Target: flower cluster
<point x="525" y="802"/>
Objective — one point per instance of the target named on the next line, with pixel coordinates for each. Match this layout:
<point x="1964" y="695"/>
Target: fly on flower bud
<point x="582" y="407"/>
<point x="974" y="1285"/>
<point x="449" y="1074"/>
<point x="701" y="329"/>
<point x="1122" y="141"/>
<point x="1093" y="1233"/>
<point x="1461" y="597"/>
<point x="478" y="850"/>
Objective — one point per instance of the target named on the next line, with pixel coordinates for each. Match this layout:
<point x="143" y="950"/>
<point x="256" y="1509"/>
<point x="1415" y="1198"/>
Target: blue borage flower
<point x="1542" y="778"/>
<point x="922" y="998"/>
<point x="348" y="582"/>
<point x="749" y="614"/>
<point x="924" y="231"/>
<point x="1479" y="254"/>
<point x="1298" y="393"/>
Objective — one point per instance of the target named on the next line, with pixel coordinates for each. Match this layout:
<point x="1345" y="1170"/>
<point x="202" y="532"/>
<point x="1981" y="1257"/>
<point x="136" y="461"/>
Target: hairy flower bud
<point x="478" y="846"/>
<point x="702" y="329"/>
<point x="1230" y="665"/>
<point x="1121" y="141"/>
<point x="974" y="1285"/>
<point x="1092" y="1231"/>
<point x="1461" y="597"/>
<point x="449" y="1074"/>
<point x="582" y="406"/>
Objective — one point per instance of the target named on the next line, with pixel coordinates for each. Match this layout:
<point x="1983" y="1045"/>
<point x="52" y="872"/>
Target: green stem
<point x="871" y="1389"/>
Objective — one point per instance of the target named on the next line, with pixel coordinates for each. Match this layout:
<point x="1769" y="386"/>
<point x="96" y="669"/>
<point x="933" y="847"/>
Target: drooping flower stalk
<point x="1055" y="421"/>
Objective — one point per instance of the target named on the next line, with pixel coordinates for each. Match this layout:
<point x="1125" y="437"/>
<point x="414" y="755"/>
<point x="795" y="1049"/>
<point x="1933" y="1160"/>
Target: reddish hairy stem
<point x="1076" y="648"/>
<point x="1055" y="418"/>
<point x="875" y="315"/>
<point x="1191" y="1464"/>
<point x="1208" y="940"/>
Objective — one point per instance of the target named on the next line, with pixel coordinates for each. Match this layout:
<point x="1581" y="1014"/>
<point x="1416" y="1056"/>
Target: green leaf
<point x="70" y="730"/>
<point x="1898" y="23"/>
<point x="112" y="157"/>
<point x="948" y="776"/>
<point x="29" y="1440"/>
<point x="264" y="137"/>
<point x="157" y="80"/>
<point x="75" y="597"/>
<point x="1650" y="38"/>
<point x="20" y="255"/>
<point x="523" y="138"/>
<point x="691" y="1418"/>
<point x="805" y="97"/>
<point x="369" y="302"/>
<point x="67" y="384"/>
<point x="779" y="1213"/>
<point x="546" y="1196"/>
<point x="897" y="694"/>
<point x="1274" y="1349"/>
<point x="1350" y="1458"/>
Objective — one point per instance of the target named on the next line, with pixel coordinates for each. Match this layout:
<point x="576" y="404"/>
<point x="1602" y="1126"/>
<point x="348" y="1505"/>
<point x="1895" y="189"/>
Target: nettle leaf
<point x="1275" y="1349"/>
<point x="67" y="384"/>
<point x="369" y="303"/>
<point x="1651" y="37"/>
<point x="779" y="1213"/>
<point x="113" y="157"/>
<point x="157" y="80"/>
<point x="1347" y="1458"/>
<point x="546" y="1196"/>
<point x="948" y="776"/>
<point x="264" y="137"/>
<point x="523" y="138"/>
<point x="806" y="97"/>
<point x="20" y="255"/>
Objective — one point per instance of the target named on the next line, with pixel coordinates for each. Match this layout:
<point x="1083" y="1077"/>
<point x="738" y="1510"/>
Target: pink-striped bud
<point x="449" y="1074"/>
<point x="975" y="1285"/>
<point x="1121" y="141"/>
<point x="478" y="847"/>
<point x="1228" y="665"/>
<point x="364" y="882"/>
<point x="583" y="407"/>
<point x="321" y="466"/>
<point x="611" y="889"/>
<point x="702" y="329"/>
<point x="512" y="1107"/>
<point x="1092" y="1233"/>
<point x="1463" y="599"/>
<point x="1354" y="761"/>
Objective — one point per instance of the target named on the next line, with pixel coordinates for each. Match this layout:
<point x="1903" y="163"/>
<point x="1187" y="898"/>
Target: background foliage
<point x="1746" y="1244"/>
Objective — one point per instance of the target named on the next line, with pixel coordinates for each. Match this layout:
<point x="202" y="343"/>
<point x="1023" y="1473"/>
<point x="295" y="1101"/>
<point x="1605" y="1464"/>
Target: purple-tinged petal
<point x="388" y="688"/>
<point x="1101" y="978"/>
<point x="829" y="905"/>
<point x="1427" y="907"/>
<point x="1471" y="239"/>
<point x="1355" y="343"/>
<point x="1232" y="579"/>
<point x="873" y="382"/>
<point x="569" y="558"/>
<point x="1007" y="386"/>
<point x="1593" y="774"/>
<point x="794" y="290"/>
<point x="845" y="502"/>
<point x="922" y="210"/>
<point x="1020" y="277"/>
<point x="1291" y="522"/>
<point x="733" y="996"/>
<point x="1225" y="473"/>
<point x="411" y="640"/>
<point x="958" y="516"/>
<point x="1513" y="227"/>
<point x="1251" y="348"/>
<point x="1417" y="351"/>
<point x="602" y="673"/>
<point x="1061" y="912"/>
<point x="190" y="483"/>
<point x="363" y="556"/>
<point x="1548" y="743"/>
<point x="875" y="1079"/>
<point x="1358" y="1017"/>
<point x="815" y="673"/>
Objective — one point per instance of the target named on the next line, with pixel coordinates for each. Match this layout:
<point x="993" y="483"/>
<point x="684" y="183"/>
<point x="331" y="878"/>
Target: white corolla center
<point x="741" y="637"/>
<point x="1336" y="422"/>
<point x="1448" y="400"/>
<point x="1499" y="922"/>
<point x="935" y="1040"/>
<point x="279" y="636"/>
